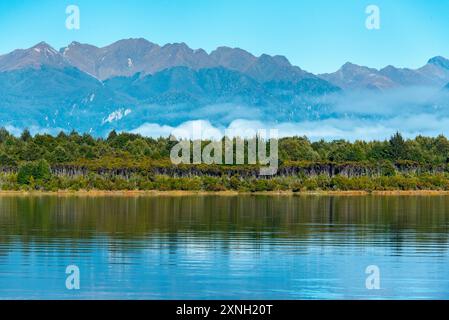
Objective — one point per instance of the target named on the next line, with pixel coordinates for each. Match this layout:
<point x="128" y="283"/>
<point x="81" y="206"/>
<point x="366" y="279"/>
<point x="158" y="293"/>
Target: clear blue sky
<point x="317" y="35"/>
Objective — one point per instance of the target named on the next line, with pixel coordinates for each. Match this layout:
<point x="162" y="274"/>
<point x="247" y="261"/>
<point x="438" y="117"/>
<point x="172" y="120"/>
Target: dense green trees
<point x="297" y="149"/>
<point x="123" y="161"/>
<point x="72" y="147"/>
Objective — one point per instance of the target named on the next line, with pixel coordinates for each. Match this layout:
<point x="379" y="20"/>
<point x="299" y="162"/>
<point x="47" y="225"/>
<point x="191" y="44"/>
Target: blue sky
<point x="317" y="35"/>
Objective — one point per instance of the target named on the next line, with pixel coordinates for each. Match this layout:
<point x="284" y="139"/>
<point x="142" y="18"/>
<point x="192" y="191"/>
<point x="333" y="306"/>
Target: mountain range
<point x="351" y="76"/>
<point x="131" y="56"/>
<point x="134" y="81"/>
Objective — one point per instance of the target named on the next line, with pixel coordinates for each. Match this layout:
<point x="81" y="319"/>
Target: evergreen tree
<point x="26" y="135"/>
<point x="398" y="148"/>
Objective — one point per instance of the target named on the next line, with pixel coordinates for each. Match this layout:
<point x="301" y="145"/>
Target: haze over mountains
<point x="133" y="82"/>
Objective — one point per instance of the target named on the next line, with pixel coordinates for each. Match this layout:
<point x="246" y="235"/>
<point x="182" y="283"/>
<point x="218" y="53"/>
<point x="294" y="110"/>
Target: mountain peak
<point x="352" y="66"/>
<point x="353" y="76"/>
<point x="41" y="44"/>
<point x="349" y="64"/>
<point x="279" y="60"/>
<point x="178" y="46"/>
<point x="282" y="60"/>
<point x="440" y="62"/>
<point x="78" y="44"/>
<point x="389" y="68"/>
<point x="132" y="41"/>
<point x="226" y="53"/>
<point x="44" y="48"/>
<point x="39" y="55"/>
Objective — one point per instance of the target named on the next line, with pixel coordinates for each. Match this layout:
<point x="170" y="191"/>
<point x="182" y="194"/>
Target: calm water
<point x="236" y="247"/>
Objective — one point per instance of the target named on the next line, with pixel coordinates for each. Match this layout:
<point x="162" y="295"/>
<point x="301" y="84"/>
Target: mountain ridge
<point x="127" y="57"/>
<point x="352" y="76"/>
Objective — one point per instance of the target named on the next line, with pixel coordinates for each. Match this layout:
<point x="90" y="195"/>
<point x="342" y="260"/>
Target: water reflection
<point x="254" y="247"/>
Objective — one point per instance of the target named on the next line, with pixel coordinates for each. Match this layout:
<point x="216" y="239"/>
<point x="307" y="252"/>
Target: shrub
<point x="34" y="171"/>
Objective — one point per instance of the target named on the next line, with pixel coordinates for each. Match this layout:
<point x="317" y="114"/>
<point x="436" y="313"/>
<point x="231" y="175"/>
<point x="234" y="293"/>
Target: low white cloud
<point x="153" y="130"/>
<point x="330" y="129"/>
<point x="197" y="129"/>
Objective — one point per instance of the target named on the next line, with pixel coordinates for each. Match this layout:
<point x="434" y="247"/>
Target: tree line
<point x="125" y="161"/>
<point x="73" y="147"/>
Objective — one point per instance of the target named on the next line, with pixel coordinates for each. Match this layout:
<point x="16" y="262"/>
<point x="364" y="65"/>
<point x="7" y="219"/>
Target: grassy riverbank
<point x="144" y="183"/>
<point x="137" y="193"/>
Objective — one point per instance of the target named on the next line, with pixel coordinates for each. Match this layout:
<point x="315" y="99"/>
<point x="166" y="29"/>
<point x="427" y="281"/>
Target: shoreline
<point x="179" y="193"/>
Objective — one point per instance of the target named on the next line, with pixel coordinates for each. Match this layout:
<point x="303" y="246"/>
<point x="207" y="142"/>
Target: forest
<point x="125" y="161"/>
